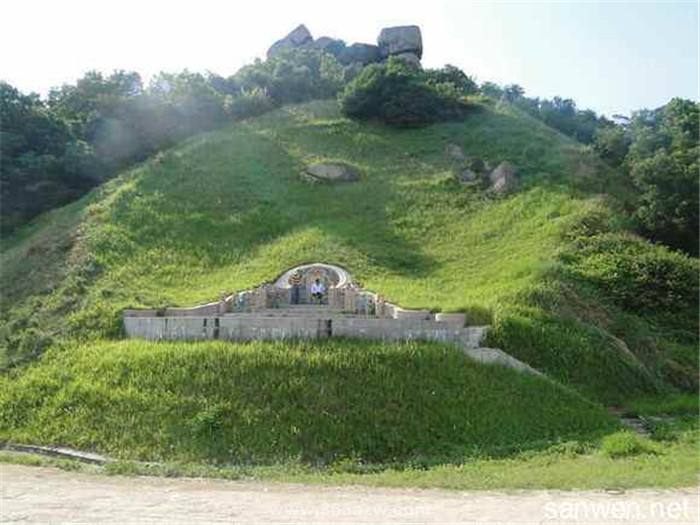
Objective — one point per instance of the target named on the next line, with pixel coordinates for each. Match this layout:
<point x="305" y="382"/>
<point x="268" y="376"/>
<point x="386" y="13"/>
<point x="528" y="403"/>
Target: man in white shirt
<point x="318" y="290"/>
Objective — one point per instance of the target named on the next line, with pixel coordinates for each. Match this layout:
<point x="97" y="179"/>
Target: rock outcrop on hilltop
<point x="403" y="42"/>
<point x="300" y="36"/>
<point x="331" y="45"/>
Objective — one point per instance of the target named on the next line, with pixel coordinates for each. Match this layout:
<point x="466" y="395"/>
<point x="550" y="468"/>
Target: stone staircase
<point x="299" y="310"/>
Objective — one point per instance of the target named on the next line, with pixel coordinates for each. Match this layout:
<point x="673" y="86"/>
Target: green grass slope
<point x="227" y="210"/>
<point x="265" y="403"/>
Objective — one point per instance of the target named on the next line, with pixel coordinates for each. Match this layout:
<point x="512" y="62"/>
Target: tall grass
<point x="272" y="402"/>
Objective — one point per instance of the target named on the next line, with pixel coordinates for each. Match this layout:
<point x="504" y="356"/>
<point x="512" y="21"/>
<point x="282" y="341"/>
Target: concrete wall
<point x="235" y="328"/>
<point x="249" y="327"/>
<point x="406" y="330"/>
<point x="202" y="310"/>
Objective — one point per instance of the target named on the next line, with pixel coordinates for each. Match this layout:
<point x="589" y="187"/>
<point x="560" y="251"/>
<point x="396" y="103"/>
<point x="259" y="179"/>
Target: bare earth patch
<point x="43" y="495"/>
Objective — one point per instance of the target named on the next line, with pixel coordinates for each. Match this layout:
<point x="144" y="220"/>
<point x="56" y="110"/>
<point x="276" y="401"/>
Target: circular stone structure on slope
<point x="336" y="276"/>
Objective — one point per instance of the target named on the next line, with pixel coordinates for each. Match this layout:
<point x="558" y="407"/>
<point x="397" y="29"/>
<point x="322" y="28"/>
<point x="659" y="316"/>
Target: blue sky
<point x="610" y="56"/>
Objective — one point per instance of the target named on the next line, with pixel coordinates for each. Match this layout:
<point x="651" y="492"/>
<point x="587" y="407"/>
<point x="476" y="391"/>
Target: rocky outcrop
<point x="359" y="54"/>
<point x="299" y="37"/>
<point x="402" y="42"/>
<point x="399" y="40"/>
<point x="504" y="178"/>
<point x="331" y="172"/>
<point x="329" y="45"/>
<point x="470" y="170"/>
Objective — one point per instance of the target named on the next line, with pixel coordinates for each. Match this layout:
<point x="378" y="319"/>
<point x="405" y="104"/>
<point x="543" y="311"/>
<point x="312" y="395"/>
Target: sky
<point x="610" y="56"/>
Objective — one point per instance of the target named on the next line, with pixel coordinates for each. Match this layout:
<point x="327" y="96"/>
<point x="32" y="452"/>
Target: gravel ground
<point x="46" y="495"/>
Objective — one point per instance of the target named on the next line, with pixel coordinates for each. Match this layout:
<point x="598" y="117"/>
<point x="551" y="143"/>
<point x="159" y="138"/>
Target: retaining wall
<point x="249" y="327"/>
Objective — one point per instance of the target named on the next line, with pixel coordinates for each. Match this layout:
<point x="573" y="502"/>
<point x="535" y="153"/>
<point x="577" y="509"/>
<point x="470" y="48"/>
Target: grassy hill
<point x="551" y="266"/>
<point x="267" y="403"/>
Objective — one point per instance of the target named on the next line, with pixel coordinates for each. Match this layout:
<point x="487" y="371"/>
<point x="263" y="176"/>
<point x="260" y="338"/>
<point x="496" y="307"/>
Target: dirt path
<point x="44" y="495"/>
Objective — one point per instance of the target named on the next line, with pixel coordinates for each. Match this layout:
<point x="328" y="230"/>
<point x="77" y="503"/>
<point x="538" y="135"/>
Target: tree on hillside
<point x="93" y="96"/>
<point x="491" y="89"/>
<point x="663" y="164"/>
<point x="294" y="75"/>
<point x="43" y="163"/>
<point x="199" y="106"/>
<point x="398" y="94"/>
<point x="612" y="143"/>
<point x="513" y="92"/>
<point x="454" y="76"/>
<point x="56" y="150"/>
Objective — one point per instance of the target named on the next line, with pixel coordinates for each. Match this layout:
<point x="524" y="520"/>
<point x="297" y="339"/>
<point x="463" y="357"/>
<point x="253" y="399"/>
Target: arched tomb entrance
<point x="268" y="312"/>
<point x="334" y="278"/>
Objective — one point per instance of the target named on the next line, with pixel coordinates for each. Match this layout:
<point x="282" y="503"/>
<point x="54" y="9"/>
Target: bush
<point x="668" y="204"/>
<point x="399" y="95"/>
<point x="293" y="76"/>
<point x="638" y="275"/>
<point x="454" y="76"/>
<point x="249" y="104"/>
<point x="626" y="443"/>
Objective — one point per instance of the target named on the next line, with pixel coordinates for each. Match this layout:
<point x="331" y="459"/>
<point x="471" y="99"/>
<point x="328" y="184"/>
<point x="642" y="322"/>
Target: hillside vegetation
<point x="227" y="210"/>
<point x="263" y="403"/>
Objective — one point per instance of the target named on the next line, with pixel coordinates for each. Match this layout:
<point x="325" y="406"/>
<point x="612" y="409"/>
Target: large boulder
<point x="330" y="45"/>
<point x="331" y="172"/>
<point x="400" y="39"/>
<point x="359" y="53"/>
<point x="504" y="178"/>
<point x="300" y="36"/>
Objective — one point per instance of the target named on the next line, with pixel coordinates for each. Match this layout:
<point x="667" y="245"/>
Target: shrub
<point x="638" y="275"/>
<point x="454" y="76"/>
<point x="399" y="95"/>
<point x="249" y="104"/>
<point x="626" y="443"/>
<point x="293" y="76"/>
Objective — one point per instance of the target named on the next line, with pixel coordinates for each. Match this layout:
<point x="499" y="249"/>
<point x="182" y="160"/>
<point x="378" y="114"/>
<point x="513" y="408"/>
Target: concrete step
<point x="299" y="315"/>
<point x="473" y="337"/>
<point x="499" y="357"/>
<point x="304" y="310"/>
<point x="306" y="305"/>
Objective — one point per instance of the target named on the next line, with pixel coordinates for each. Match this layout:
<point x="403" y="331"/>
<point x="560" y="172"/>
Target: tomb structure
<point x="274" y="311"/>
